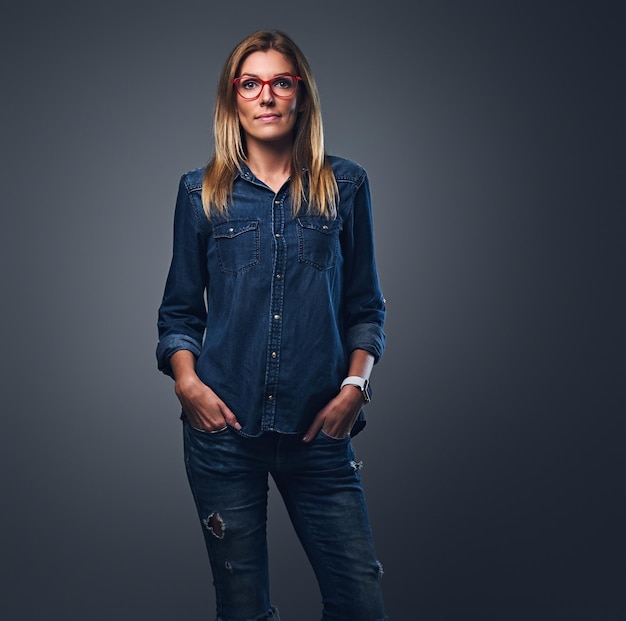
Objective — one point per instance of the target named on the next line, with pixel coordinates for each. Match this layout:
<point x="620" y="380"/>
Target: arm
<point x="364" y="312"/>
<point x="363" y="302"/>
<point x="182" y="315"/>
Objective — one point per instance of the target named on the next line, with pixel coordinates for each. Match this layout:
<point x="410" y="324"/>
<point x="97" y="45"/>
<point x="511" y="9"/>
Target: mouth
<point x="267" y="117"/>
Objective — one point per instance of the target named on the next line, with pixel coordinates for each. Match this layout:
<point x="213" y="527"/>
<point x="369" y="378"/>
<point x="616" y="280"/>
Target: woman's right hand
<point x="202" y="407"/>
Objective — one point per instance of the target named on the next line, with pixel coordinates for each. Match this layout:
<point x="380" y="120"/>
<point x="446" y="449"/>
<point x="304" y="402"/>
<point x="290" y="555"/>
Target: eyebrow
<point x="254" y="75"/>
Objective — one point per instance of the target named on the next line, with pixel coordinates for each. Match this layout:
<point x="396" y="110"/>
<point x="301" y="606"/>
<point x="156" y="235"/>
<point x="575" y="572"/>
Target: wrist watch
<point x="361" y="383"/>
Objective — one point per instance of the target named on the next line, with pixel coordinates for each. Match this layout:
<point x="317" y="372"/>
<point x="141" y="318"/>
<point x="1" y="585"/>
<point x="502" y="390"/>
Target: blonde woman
<point x="270" y="324"/>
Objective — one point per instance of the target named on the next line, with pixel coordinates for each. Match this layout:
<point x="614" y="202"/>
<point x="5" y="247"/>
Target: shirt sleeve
<point x="364" y="304"/>
<point x="182" y="314"/>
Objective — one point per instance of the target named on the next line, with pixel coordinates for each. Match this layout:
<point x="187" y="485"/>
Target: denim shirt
<point x="272" y="305"/>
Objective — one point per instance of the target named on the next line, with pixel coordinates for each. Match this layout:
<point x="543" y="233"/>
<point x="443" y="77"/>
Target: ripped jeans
<point x="321" y="487"/>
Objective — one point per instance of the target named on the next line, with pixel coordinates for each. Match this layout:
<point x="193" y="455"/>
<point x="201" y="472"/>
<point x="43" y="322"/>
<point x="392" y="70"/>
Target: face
<point x="267" y="118"/>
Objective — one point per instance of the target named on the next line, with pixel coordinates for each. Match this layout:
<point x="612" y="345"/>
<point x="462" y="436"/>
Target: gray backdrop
<point x="494" y="455"/>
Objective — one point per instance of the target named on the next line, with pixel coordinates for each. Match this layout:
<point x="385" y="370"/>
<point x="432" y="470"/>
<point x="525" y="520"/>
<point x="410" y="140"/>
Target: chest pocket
<point x="318" y="241"/>
<point x="237" y="243"/>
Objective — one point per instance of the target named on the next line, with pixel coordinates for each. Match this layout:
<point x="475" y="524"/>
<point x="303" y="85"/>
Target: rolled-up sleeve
<point x="182" y="314"/>
<point x="364" y="304"/>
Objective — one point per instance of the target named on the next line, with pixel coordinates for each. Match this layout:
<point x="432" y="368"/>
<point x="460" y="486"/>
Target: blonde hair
<point x="308" y="158"/>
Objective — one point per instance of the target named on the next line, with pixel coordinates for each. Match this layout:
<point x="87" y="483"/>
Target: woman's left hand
<point x="338" y="416"/>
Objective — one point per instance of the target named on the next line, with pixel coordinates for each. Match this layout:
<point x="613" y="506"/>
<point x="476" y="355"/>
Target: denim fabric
<point x="272" y="305"/>
<point x="321" y="487"/>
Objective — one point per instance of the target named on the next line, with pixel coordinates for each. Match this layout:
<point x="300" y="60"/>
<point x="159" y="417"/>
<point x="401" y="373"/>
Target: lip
<point x="265" y="118"/>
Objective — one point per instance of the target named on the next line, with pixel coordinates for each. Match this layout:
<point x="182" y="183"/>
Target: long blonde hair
<point x="308" y="157"/>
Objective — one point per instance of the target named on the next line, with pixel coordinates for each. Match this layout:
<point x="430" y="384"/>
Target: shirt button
<point x="231" y="229"/>
<point x="276" y="202"/>
<point x="270" y="397"/>
<point x="325" y="227"/>
<point x="277" y="234"/>
<point x="278" y="276"/>
<point x="274" y="354"/>
<point x="277" y="317"/>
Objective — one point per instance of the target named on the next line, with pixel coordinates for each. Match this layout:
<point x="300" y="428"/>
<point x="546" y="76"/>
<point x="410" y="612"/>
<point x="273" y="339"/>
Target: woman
<point x="271" y="322"/>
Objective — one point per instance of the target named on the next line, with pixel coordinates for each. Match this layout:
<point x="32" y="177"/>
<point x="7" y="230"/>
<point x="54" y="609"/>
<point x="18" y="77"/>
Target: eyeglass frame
<point x="297" y="78"/>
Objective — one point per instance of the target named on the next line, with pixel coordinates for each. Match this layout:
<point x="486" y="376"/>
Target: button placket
<point x="276" y="305"/>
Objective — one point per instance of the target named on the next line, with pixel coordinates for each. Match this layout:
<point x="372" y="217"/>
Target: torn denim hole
<point x="381" y="571"/>
<point x="356" y="465"/>
<point x="215" y="525"/>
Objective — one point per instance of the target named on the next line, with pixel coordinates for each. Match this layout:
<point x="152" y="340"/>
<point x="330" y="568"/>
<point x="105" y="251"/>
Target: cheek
<point x="294" y="108"/>
<point x="242" y="109"/>
<point x="244" y="118"/>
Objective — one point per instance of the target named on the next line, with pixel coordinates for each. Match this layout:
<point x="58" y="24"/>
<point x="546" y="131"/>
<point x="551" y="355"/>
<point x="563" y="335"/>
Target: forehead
<point x="265" y="64"/>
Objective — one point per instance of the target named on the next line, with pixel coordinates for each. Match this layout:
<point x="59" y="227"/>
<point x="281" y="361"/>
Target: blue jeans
<point x="321" y="487"/>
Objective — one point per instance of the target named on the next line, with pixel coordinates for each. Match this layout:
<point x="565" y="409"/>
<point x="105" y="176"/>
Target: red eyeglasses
<point x="282" y="86"/>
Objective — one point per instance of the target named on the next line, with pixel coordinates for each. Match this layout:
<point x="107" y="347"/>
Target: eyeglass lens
<point x="281" y="86"/>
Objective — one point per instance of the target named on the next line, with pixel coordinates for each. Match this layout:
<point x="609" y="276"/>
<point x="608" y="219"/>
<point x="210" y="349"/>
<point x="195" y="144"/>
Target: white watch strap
<point x="361" y="383"/>
<point x="354" y="380"/>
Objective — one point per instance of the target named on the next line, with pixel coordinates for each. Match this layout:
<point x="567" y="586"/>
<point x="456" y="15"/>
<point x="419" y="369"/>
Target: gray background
<point x="494" y="455"/>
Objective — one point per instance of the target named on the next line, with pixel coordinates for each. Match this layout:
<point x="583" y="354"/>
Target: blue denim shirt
<point x="272" y="305"/>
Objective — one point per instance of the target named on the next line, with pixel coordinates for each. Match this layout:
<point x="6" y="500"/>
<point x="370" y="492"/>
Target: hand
<point x="203" y="408"/>
<point x="337" y="418"/>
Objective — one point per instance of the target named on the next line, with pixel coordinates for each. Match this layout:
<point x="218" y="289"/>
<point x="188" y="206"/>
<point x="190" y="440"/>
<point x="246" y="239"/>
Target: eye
<point x="284" y="82"/>
<point x="248" y="84"/>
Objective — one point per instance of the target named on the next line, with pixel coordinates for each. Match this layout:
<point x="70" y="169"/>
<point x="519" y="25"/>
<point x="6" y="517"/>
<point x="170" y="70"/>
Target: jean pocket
<point x="206" y="432"/>
<point x="322" y="435"/>
<point x="318" y="241"/>
<point x="238" y="245"/>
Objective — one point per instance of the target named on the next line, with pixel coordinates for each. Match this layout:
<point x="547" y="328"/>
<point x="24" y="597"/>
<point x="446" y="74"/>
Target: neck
<point x="270" y="162"/>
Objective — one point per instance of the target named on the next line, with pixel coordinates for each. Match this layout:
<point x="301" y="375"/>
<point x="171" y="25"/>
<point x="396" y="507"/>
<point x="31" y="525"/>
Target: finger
<point x="313" y="430"/>
<point x="229" y="417"/>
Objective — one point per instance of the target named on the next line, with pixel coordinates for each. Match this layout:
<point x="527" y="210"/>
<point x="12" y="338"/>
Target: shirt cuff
<point x="367" y="336"/>
<point x="170" y="345"/>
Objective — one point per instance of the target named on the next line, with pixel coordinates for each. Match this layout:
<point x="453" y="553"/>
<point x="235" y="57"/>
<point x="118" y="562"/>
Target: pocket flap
<point x="233" y="228"/>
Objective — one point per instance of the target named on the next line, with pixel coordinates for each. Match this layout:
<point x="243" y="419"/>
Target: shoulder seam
<point x="196" y="184"/>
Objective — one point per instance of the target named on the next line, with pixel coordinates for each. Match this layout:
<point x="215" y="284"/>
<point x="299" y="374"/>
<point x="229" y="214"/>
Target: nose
<point x="266" y="95"/>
